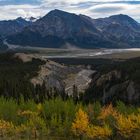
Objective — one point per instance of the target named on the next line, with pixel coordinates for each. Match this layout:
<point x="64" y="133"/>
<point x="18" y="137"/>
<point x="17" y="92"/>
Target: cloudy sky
<point x="10" y="9"/>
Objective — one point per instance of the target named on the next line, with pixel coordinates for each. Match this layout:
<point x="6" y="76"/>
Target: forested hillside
<point x="15" y="76"/>
<point x="119" y="80"/>
<point x="113" y="81"/>
<point x="33" y="111"/>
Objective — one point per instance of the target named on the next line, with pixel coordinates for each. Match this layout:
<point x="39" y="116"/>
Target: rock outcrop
<point x="114" y="86"/>
<point x="60" y="77"/>
<point x="63" y="78"/>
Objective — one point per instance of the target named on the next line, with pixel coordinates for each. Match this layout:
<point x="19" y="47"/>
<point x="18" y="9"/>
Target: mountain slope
<point x="9" y="27"/>
<point x="122" y="27"/>
<point x="117" y="81"/>
<point x="3" y="47"/>
<point x="58" y="28"/>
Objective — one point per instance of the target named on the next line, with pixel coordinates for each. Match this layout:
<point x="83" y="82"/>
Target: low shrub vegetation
<point x="67" y="119"/>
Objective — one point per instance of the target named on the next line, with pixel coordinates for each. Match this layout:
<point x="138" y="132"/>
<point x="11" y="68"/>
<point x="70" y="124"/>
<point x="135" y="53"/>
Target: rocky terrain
<point x="92" y="80"/>
<point x="59" y="28"/>
<point x="10" y="27"/>
<point x="119" y="82"/>
<point x="58" y="76"/>
<point x="113" y="88"/>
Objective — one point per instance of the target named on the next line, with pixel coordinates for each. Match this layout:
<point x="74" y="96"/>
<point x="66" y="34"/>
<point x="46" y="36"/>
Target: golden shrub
<point x="98" y="132"/>
<point x="80" y="124"/>
<point x="108" y="111"/>
<point x="128" y="125"/>
<point x="35" y="124"/>
<point x="22" y="130"/>
<point x="6" y="128"/>
<point x="27" y="113"/>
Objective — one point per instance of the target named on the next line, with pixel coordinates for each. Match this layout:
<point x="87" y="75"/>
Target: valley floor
<point x="121" y="53"/>
<point x="85" y="53"/>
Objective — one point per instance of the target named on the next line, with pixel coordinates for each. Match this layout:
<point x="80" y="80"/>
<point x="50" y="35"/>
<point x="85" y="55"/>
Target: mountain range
<point x="10" y="27"/>
<point x="59" y="28"/>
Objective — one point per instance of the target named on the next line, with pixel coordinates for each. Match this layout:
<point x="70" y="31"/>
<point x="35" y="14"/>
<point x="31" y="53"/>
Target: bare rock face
<point x="59" y="77"/>
<point x="116" y="91"/>
<point x="114" y="86"/>
<point x="133" y="92"/>
<point x="108" y="77"/>
<point x="81" y="80"/>
<point x="63" y="78"/>
<point x="24" y="57"/>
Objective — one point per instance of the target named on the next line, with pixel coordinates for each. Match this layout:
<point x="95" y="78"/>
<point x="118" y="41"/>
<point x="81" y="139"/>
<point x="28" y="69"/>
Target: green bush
<point x="8" y="110"/>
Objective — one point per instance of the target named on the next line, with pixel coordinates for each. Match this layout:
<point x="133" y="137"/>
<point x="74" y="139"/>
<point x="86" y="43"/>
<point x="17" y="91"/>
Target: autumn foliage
<point x="110" y="123"/>
<point x="98" y="132"/>
<point x="82" y="127"/>
<point x="65" y="119"/>
<point x="81" y="123"/>
<point x="128" y="126"/>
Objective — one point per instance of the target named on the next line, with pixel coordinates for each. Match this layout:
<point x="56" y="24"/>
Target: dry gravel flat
<point x="121" y="55"/>
<point x="92" y="53"/>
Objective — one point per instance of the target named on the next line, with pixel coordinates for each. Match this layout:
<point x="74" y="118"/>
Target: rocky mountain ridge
<point x="58" y="28"/>
<point x="10" y="27"/>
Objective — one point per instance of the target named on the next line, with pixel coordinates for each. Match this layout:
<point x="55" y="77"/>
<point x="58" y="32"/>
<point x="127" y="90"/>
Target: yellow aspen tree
<point x="128" y="125"/>
<point x="108" y="111"/>
<point x="81" y="123"/>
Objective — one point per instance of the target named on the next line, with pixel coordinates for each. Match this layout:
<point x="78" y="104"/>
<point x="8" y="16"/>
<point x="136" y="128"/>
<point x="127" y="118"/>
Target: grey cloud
<point x="107" y="9"/>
